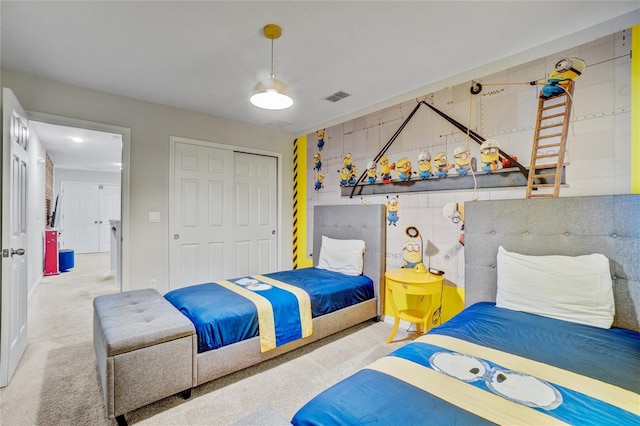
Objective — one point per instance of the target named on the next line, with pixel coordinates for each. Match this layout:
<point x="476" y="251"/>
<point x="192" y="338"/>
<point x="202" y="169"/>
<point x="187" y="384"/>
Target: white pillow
<point x="576" y="289"/>
<point x="345" y="256"/>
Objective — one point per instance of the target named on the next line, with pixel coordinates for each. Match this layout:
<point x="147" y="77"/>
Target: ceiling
<point x="80" y="149"/>
<point x="206" y="56"/>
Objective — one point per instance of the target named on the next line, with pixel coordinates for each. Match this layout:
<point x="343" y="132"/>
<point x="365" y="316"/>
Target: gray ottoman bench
<point x="145" y="348"/>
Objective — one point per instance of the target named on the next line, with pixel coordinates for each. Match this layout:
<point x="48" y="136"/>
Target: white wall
<point x="151" y="127"/>
<point x="35" y="212"/>
<point x="82" y="176"/>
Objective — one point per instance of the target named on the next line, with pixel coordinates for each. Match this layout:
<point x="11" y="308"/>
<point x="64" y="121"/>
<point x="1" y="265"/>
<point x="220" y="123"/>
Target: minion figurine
<point x="411" y="254"/>
<point x="320" y="138"/>
<point x="442" y="165"/>
<point x="462" y="159"/>
<point x="424" y="164"/>
<point x="392" y="210"/>
<point x="319" y="181"/>
<point x="403" y="168"/>
<point x="372" y="172"/>
<point x="345" y="176"/>
<point x="567" y="69"/>
<point x="317" y="161"/>
<point x="489" y="153"/>
<point x="385" y="169"/>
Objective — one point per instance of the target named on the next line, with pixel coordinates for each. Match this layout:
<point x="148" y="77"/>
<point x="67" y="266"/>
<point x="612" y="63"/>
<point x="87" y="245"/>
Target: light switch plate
<point x="154" y="217"/>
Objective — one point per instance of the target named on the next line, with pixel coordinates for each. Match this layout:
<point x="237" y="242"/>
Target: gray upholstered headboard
<point x="360" y="222"/>
<point x="569" y="226"/>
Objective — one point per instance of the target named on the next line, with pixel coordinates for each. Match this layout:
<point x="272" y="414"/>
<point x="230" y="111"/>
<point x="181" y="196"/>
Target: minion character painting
<point x="317" y="161"/>
<point x="347" y="160"/>
<point x="411" y="254"/>
<point x="392" y="210"/>
<point x="442" y="165"/>
<point x="424" y="165"/>
<point x="566" y="70"/>
<point x="403" y="168"/>
<point x="320" y="139"/>
<point x="385" y="169"/>
<point x="319" y="181"/>
<point x="372" y="172"/>
<point x="462" y="159"/>
<point x="345" y="176"/>
<point x="489" y="154"/>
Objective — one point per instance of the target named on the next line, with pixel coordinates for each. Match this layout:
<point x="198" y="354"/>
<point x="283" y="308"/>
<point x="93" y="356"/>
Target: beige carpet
<point x="57" y="382"/>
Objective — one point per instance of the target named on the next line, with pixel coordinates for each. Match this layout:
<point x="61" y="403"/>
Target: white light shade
<point x="271" y="93"/>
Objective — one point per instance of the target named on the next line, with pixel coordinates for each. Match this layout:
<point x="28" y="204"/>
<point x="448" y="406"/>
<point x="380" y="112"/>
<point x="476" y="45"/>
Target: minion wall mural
<point x="403" y="168"/>
<point x="462" y="158"/>
<point x="318" y="183"/>
<point x="317" y="161"/>
<point x="567" y="69"/>
<point x="320" y="139"/>
<point x="372" y="171"/>
<point x="441" y="165"/>
<point x="392" y="210"/>
<point x="489" y="155"/>
<point x="424" y="164"/>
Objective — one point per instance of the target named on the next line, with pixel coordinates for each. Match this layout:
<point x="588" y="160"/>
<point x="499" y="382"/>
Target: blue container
<point x="66" y="260"/>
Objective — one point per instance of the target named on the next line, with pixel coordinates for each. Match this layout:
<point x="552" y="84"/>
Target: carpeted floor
<point x="57" y="382"/>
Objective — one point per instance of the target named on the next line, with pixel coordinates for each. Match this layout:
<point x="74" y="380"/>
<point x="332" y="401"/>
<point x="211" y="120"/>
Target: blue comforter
<point x="222" y="317"/>
<point x="591" y="375"/>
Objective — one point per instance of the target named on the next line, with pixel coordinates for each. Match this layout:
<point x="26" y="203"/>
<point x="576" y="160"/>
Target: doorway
<point x="88" y="155"/>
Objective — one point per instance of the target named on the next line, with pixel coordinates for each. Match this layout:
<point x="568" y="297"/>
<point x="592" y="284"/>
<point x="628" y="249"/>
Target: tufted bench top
<point x="137" y="319"/>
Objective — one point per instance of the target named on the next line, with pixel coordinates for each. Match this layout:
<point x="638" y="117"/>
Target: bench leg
<point x="186" y="394"/>
<point x="121" y="420"/>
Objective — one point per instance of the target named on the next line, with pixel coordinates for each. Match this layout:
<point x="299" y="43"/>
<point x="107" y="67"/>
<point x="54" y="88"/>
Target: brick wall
<point x="48" y="191"/>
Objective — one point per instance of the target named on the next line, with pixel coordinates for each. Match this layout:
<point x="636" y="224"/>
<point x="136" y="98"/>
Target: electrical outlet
<point x="152" y="283"/>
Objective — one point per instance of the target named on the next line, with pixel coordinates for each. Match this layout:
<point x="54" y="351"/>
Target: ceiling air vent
<point x="337" y="96"/>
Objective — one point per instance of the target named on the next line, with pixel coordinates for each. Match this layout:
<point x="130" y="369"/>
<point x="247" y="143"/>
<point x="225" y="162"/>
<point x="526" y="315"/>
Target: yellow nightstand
<point x="407" y="282"/>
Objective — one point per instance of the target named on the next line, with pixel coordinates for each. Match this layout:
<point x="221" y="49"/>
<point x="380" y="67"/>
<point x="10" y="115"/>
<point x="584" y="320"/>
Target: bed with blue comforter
<point x="223" y="314"/>
<point x="490" y="365"/>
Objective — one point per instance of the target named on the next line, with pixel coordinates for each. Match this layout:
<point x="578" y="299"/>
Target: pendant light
<point x="271" y="93"/>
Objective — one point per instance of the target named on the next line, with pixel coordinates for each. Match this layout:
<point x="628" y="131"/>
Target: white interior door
<point x="86" y="210"/>
<point x="255" y="196"/>
<point x="79" y="227"/>
<point x="202" y="218"/>
<point x="13" y="318"/>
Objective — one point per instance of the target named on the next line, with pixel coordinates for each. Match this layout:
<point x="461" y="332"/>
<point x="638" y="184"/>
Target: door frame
<point x="179" y="139"/>
<point x="125" y="132"/>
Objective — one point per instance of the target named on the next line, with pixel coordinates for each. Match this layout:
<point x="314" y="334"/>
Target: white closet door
<point x="254" y="232"/>
<point x="202" y="215"/>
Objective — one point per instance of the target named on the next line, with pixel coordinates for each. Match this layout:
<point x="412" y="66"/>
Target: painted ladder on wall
<point x="549" y="144"/>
